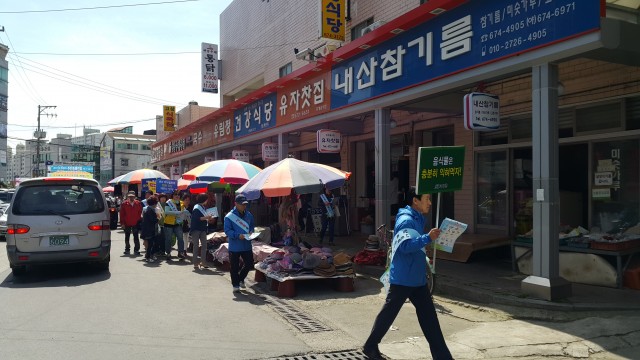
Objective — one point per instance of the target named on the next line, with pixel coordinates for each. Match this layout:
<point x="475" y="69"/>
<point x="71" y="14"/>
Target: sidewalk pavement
<point x="489" y="279"/>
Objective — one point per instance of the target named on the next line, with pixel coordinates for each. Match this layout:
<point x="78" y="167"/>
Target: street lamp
<point x="39" y="134"/>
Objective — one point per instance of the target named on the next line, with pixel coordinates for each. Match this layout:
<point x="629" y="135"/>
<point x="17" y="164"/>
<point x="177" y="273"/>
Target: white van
<point x="58" y="220"/>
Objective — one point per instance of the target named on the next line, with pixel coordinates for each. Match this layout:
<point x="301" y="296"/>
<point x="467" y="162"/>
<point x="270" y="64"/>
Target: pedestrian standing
<point x="173" y="218"/>
<point x="407" y="279"/>
<point x="150" y="228"/>
<point x="325" y="202"/>
<point x="164" y="246"/>
<point x="198" y="233"/>
<point x="147" y="194"/>
<point x="238" y="225"/>
<point x="130" y="214"/>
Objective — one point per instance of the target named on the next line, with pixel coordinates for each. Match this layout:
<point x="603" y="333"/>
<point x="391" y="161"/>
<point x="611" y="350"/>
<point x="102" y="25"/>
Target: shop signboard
<point x="222" y="131"/>
<point x="304" y="99"/>
<point x="466" y="37"/>
<point x="256" y="116"/>
<point x="210" y="74"/>
<point x="241" y="155"/>
<point x="270" y="151"/>
<point x="481" y="112"/>
<point x="439" y="169"/>
<point x="603" y="179"/>
<point x="169" y="113"/>
<point x="601" y="194"/>
<point x="332" y="19"/>
<point x="328" y="141"/>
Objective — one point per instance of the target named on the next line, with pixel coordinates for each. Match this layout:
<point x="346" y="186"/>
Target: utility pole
<point x="39" y="134"/>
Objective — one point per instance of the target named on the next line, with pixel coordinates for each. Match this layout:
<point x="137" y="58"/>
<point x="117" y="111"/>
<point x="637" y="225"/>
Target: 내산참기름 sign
<point x="439" y="169"/>
<point x="481" y="112"/>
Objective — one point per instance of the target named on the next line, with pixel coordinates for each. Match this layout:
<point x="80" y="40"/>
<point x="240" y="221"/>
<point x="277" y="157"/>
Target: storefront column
<point x="283" y="146"/>
<point x="545" y="281"/>
<point x="382" y="143"/>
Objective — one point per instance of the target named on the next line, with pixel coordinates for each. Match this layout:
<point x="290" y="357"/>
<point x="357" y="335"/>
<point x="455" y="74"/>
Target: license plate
<point x="58" y="240"/>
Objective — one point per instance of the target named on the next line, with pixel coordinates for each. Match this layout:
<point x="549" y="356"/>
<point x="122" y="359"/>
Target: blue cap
<point x="241" y="199"/>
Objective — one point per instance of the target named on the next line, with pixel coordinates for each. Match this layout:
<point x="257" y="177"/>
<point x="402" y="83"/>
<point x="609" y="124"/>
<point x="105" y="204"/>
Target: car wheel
<point x="104" y="264"/>
<point x="18" y="270"/>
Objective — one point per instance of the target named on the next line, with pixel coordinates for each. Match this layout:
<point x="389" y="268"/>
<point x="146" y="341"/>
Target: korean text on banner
<point x="332" y="19"/>
<point x="210" y="73"/>
<point x="439" y="169"/>
<point x="169" y="113"/>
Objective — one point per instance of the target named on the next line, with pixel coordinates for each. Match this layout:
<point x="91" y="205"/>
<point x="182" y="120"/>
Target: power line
<point x="95" y="7"/>
<point x="102" y="88"/>
<point x="92" y="125"/>
<point x="30" y="88"/>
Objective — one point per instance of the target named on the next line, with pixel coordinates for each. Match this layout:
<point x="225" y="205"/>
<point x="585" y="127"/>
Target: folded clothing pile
<point x="343" y="264"/>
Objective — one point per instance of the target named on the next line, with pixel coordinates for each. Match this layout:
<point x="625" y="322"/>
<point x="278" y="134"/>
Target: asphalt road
<point x="134" y="311"/>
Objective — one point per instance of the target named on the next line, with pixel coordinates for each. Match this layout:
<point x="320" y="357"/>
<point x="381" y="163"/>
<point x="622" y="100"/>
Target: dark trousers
<point x="239" y="274"/>
<point x="427" y="318"/>
<point x="152" y="246"/>
<point x="136" y="241"/>
<point x="328" y="223"/>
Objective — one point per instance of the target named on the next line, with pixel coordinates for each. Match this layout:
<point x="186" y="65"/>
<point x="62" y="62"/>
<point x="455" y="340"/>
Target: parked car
<point x="58" y="220"/>
<point x="6" y="195"/>
<point x="3" y="221"/>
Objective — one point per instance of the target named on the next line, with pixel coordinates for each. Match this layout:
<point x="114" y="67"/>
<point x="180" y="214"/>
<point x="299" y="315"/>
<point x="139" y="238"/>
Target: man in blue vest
<point x="408" y="280"/>
<point x="238" y="225"/>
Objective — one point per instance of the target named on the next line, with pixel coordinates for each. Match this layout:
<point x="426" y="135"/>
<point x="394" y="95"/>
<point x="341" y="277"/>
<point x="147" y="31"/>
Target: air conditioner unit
<point x="372" y="27"/>
<point x="324" y="50"/>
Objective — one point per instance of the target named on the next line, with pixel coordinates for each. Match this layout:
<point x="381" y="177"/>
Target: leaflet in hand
<point x="213" y="211"/>
<point x="450" y="231"/>
<point x="251" y="236"/>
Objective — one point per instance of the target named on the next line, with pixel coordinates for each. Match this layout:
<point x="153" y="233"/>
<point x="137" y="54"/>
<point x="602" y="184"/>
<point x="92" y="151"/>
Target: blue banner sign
<point x="257" y="116"/>
<point x="166" y="186"/>
<point x="468" y="36"/>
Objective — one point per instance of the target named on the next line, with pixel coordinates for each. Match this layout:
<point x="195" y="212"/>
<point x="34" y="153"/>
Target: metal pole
<point x="38" y="145"/>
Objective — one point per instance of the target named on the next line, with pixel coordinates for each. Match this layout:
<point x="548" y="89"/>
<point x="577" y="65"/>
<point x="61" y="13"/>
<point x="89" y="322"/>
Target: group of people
<point x="407" y="276"/>
<point x="157" y="220"/>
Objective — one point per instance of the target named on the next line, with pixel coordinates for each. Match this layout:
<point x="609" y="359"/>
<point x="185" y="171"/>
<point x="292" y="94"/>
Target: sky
<point x="103" y="63"/>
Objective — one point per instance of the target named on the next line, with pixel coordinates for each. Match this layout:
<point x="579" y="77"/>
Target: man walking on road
<point x="408" y="280"/>
<point x="238" y="225"/>
<point x="130" y="216"/>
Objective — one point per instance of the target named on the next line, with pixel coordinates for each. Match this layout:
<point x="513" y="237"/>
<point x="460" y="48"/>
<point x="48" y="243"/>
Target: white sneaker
<point x="242" y="286"/>
<point x="236" y="289"/>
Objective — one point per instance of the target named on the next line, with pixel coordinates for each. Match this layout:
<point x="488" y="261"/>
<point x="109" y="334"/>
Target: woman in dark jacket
<point x="150" y="233"/>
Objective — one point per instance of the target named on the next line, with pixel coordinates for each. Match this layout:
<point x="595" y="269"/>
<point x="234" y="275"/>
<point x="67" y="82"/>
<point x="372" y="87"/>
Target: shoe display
<point x="236" y="289"/>
<point x="242" y="286"/>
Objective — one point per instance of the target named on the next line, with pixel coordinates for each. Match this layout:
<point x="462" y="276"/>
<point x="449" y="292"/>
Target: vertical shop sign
<point x="269" y="151"/>
<point x="481" y="112"/>
<point x="169" y="113"/>
<point x="240" y="155"/>
<point x="210" y="74"/>
<point x="332" y="19"/>
<point x="439" y="169"/>
<point x="328" y="141"/>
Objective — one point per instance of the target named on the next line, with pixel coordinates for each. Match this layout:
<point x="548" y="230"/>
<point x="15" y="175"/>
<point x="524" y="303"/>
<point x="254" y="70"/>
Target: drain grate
<point x="342" y="355"/>
<point x="296" y="316"/>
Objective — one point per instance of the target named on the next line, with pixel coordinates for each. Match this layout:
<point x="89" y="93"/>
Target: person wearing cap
<point x="407" y="279"/>
<point x="130" y="216"/>
<point x="238" y="225"/>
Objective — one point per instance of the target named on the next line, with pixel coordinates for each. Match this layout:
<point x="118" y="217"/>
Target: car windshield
<point x="63" y="199"/>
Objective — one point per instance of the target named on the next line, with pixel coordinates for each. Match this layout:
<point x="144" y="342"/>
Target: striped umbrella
<point x="292" y="174"/>
<point x="136" y="176"/>
<point x="227" y="171"/>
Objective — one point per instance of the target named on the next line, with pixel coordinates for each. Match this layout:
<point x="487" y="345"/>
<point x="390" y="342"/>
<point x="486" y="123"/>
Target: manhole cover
<point x="342" y="355"/>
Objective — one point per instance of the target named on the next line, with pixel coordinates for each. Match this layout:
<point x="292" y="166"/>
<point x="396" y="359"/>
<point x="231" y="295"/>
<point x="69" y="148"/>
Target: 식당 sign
<point x="210" y="74"/>
<point x="481" y="112"/>
<point x="439" y="169"/>
<point x="328" y="141"/>
<point x="332" y="19"/>
<point x="169" y="114"/>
